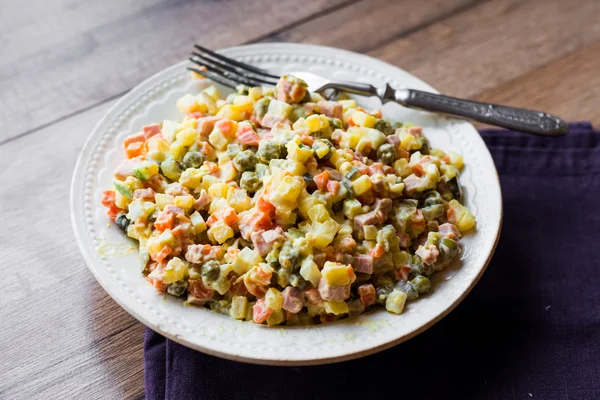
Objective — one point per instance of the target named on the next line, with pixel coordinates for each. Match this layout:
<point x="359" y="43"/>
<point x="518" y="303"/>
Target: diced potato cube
<point x="187" y="136"/>
<point x="213" y="92"/>
<point x="186" y="202"/>
<point x="239" y="200"/>
<point x="402" y="168"/>
<point x="276" y="318"/>
<point x="176" y="270"/>
<point x="239" y="307"/>
<point x="169" y="129"/>
<point x="198" y="222"/>
<point x="208" y="181"/>
<point x="456" y="160"/>
<point x="362" y="185"/>
<point x="306" y="202"/>
<point x="322" y="234"/>
<point x="191" y="178"/>
<point x="370" y="232"/>
<point x="121" y="201"/>
<point x="220" y="232"/>
<point x="274" y="299"/>
<point x="218" y="140"/>
<point x="162" y="200"/>
<point x="336" y="274"/>
<point x="206" y="103"/>
<point x="351" y="103"/>
<point x="219" y="190"/>
<point x="255" y="93"/>
<point x="339" y="157"/>
<point x="299" y="153"/>
<point x="217" y="204"/>
<point x="363" y="119"/>
<point x="158" y="148"/>
<point x="336" y="307"/>
<point x="187" y="103"/>
<point x="317" y="122"/>
<point x="352" y="208"/>
<point x="395" y="301"/>
<point x="310" y="271"/>
<point x="191" y="123"/>
<point x="288" y="189"/>
<point x="245" y="259"/>
<point x="318" y="213"/>
<point x="235" y="112"/>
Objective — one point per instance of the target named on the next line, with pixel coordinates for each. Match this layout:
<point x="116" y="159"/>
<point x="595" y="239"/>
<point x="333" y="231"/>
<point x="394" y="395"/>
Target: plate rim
<point x="348" y="355"/>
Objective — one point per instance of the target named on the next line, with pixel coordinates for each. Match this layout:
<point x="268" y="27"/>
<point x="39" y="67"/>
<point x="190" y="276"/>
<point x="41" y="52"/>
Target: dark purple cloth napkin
<point x="529" y="329"/>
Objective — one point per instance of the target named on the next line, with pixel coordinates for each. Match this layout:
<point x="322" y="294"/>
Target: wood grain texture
<point x="82" y="53"/>
<point x="61" y="336"/>
<point x="494" y="43"/>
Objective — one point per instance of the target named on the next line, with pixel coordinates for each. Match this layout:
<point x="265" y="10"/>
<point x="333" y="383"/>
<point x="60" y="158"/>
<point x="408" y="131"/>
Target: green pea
<point x="267" y="151"/>
<point x="233" y="149"/>
<point x="289" y="257"/>
<point x="250" y="182"/>
<point x="298" y="281"/>
<point x="449" y="248"/>
<point x="382" y="293"/>
<point x="178" y="288"/>
<point x="283" y="277"/>
<point x="409" y="289"/>
<point x="384" y="126"/>
<point x="193" y="159"/>
<point x="386" y="153"/>
<point x="432" y="198"/>
<point x="220" y="306"/>
<point x="245" y="160"/>
<point x="171" y="169"/>
<point x="421" y="283"/>
<point x="261" y="107"/>
<point x="211" y="270"/>
<point x="455" y="188"/>
<point x="432" y="213"/>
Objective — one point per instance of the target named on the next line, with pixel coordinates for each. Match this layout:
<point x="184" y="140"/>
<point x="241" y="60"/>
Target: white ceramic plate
<point x="113" y="260"/>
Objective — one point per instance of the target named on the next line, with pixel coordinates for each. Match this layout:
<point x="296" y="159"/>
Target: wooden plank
<point x="61" y="334"/>
<point x="82" y="53"/>
<point x="371" y="23"/>
<point x="568" y="87"/>
<point x="493" y="43"/>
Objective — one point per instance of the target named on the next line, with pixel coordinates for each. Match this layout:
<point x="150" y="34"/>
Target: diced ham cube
<point x="403" y="272"/>
<point x="176" y="189"/>
<point x="450" y="231"/>
<point x="200" y="292"/>
<point x="206" y="126"/>
<point x="290" y="91"/>
<point x="273" y="235"/>
<point x="428" y="254"/>
<point x="312" y="296"/>
<point x="367" y="294"/>
<point x="260" y="245"/>
<point x="404" y="240"/>
<point x="335" y="293"/>
<point x="411" y="182"/>
<point x="319" y="259"/>
<point x="261" y="312"/>
<point x="199" y="253"/>
<point x="146" y="194"/>
<point x="125" y="169"/>
<point x="202" y="201"/>
<point x="363" y="263"/>
<point x="292" y="300"/>
<point x="173" y="209"/>
<point x="151" y="130"/>
<point x="332" y="109"/>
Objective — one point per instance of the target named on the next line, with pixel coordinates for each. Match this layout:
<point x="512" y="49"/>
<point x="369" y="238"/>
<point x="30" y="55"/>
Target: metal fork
<point x="231" y="73"/>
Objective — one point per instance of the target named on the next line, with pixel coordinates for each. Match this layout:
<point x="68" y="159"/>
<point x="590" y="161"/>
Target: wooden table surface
<point x="64" y="63"/>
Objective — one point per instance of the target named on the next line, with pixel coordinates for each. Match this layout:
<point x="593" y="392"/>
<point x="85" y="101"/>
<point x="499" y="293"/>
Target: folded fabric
<point x="529" y="329"/>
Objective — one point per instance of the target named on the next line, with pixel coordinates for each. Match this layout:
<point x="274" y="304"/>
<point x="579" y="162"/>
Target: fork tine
<point x="224" y="74"/>
<point x="239" y="64"/>
<point x="218" y="64"/>
<point x="214" y="77"/>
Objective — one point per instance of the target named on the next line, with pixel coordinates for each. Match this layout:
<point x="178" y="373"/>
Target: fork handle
<point x="520" y="119"/>
<point x="530" y="121"/>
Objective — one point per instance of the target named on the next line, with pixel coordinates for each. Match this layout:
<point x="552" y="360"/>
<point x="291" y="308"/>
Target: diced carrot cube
<point x="212" y="219"/>
<point x="403" y="272"/>
<point x="108" y="198"/>
<point x="113" y="211"/>
<point x="206" y="149"/>
<point x="160" y="285"/>
<point x="377" y="251"/>
<point x="138" y="137"/>
<point x="195" y="114"/>
<point x="134" y="149"/>
<point x="307" y="140"/>
<point x="246" y="135"/>
<point x="164" y="221"/>
<point x="333" y="187"/>
<point x="199" y="291"/>
<point x="261" y="221"/>
<point x="163" y="253"/>
<point x="264" y="205"/>
<point x="225" y="126"/>
<point x="377" y="113"/>
<point x="321" y="180"/>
